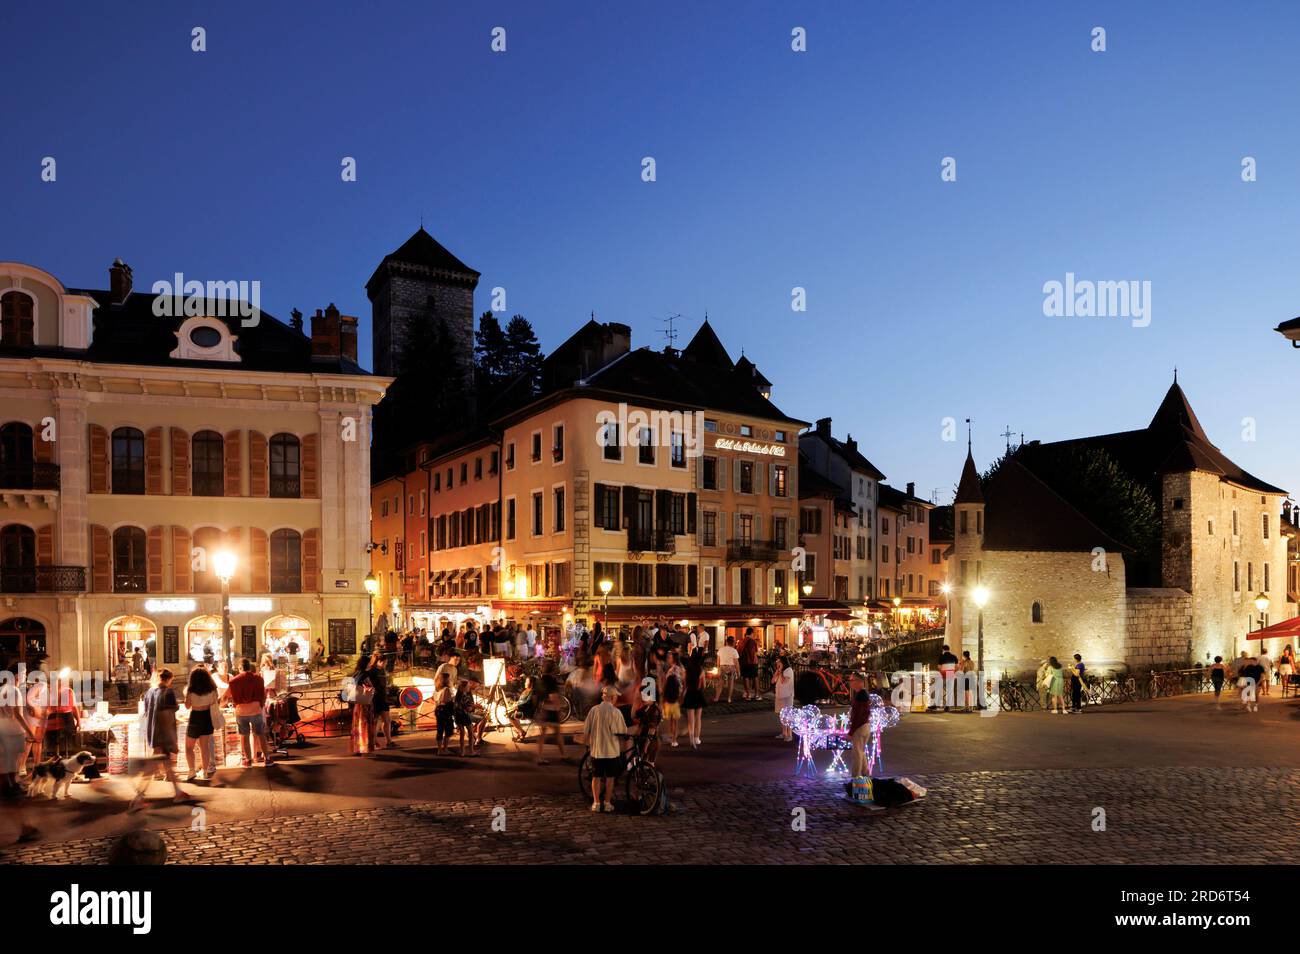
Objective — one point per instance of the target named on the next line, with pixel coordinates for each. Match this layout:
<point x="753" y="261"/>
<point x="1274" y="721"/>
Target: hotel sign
<point x="749" y="447"/>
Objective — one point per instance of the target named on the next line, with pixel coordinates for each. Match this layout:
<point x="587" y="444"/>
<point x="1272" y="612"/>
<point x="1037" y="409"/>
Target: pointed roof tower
<point x="1175" y="414"/>
<point x="706" y="348"/>
<point x="969" y="490"/>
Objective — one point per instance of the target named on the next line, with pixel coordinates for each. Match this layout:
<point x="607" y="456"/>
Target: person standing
<point x="673" y="681"/>
<point x="947" y="670"/>
<point x="603" y="730"/>
<point x="1055" y="687"/>
<point x="248" y="693"/>
<point x="859" y="725"/>
<point x="1248" y="678"/>
<point x="693" y="701"/>
<point x="16" y="735"/>
<point x="1218" y="672"/>
<point x="548" y="706"/>
<point x="122" y="679"/>
<point x="200" y="697"/>
<point x="444" y="713"/>
<point x="361" y="738"/>
<point x="1076" y="684"/>
<point x="1266" y="667"/>
<point x="159" y="723"/>
<point x="748" y="650"/>
<point x="783" y="683"/>
<point x="379" y="706"/>
<point x="728" y="669"/>
<point x="968" y="680"/>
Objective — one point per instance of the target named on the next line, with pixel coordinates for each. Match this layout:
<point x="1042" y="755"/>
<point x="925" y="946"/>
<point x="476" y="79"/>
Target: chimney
<point x="851" y="444"/>
<point x="325" y="333"/>
<point x="348" y="336"/>
<point x="824" y="427"/>
<point x="119" y="281"/>
<point x="911" y="488"/>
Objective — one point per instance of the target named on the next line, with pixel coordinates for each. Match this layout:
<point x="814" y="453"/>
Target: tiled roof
<point x="1023" y="513"/>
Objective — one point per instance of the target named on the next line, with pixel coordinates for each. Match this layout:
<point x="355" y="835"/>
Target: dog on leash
<point x="59" y="773"/>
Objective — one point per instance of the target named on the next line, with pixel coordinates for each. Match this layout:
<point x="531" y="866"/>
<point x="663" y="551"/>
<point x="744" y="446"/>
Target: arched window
<point x="128" y="461"/>
<point x="208" y="465"/>
<point x="207" y="543"/>
<point x="130" y="561"/>
<point x="16" y="326"/>
<point x="285" y="464"/>
<point x="286" y="562"/>
<point x="1036" y="613"/>
<point x="17" y="466"/>
<point x="17" y="559"/>
<point x="22" y="640"/>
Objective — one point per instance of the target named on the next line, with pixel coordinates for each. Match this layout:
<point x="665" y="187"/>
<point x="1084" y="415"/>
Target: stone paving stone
<point x="1152" y="815"/>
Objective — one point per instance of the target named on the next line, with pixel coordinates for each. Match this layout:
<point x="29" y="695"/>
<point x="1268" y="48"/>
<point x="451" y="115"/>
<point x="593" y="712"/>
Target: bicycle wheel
<point x="566" y="709"/>
<point x="585" y="773"/>
<point x="840" y="695"/>
<point x="644" y="788"/>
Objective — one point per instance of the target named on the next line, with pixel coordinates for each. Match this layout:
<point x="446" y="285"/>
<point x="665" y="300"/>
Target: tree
<point x="490" y="347"/>
<point x="523" y="354"/>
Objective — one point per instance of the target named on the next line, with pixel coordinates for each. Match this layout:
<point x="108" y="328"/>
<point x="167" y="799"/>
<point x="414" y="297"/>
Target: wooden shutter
<point x="690" y="513"/>
<point x="181" y="471"/>
<point x="259" y="561"/>
<point x="311" y="561"/>
<point x="153" y="471"/>
<point x="154" y="555"/>
<point x="101" y="560"/>
<point x="42" y="450"/>
<point x="630" y="495"/>
<point x="310" y="465"/>
<point x="98" y="460"/>
<point x="720" y="473"/>
<point x="182" y="578"/>
<point x="758" y="477"/>
<point x="234" y="464"/>
<point x="45" y="545"/>
<point x="663" y="509"/>
<point x="235" y="543"/>
<point x="258" y="473"/>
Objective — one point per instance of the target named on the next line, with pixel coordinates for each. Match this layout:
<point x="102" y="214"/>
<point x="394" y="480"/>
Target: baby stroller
<point x="282" y="722"/>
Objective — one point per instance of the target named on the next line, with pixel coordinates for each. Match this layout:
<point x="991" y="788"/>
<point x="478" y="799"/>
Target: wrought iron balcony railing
<point x="30" y="477"/>
<point x="43" y="579"/>
<point x="752" y="551"/>
<point x="641" y="540"/>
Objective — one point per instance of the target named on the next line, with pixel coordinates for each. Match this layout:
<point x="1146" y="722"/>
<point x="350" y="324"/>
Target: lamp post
<point x="898" y="601"/>
<point x="372" y="587"/>
<point x="981" y="597"/>
<point x="605" y="587"/>
<point x="1261" y="604"/>
<point x="223" y="564"/>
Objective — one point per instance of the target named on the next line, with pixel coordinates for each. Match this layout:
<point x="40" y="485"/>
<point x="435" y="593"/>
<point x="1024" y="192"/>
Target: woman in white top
<point x="783" y="682"/>
<point x="201" y="700"/>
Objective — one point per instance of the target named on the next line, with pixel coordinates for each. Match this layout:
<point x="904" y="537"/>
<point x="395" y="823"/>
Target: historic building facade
<point x="134" y="447"/>
<point x="1058" y="584"/>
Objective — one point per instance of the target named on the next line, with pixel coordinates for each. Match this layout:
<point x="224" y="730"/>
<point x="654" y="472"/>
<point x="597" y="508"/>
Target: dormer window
<point x="204" y="339"/>
<point x="17" y="326"/>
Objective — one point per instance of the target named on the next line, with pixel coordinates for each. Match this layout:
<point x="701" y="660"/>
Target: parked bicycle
<point x="644" y="784"/>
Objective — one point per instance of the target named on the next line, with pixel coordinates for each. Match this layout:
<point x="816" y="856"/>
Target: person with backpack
<point x="674" y="677"/>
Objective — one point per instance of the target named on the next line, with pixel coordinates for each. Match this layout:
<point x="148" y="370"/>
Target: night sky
<point x="775" y="169"/>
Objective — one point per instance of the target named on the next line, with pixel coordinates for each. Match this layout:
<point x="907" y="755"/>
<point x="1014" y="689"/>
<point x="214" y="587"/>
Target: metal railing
<point x="43" y="579"/>
<point x="641" y="540"/>
<point x="752" y="551"/>
<point x="34" y="476"/>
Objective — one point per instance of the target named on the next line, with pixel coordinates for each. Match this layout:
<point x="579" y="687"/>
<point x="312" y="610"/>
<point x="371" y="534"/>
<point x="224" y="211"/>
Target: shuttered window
<point x="128" y="461"/>
<point x="208" y="464"/>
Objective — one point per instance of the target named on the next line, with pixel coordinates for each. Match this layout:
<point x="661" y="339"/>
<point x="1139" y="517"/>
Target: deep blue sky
<point x="775" y="169"/>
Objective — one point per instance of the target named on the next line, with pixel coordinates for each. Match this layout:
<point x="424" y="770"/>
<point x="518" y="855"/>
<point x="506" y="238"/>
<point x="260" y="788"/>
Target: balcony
<point x="43" y="579"/>
<point x="753" y="551"/>
<point x="30" y="477"/>
<point x="641" y="540"/>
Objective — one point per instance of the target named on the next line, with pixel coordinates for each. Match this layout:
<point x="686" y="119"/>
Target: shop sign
<point x="171" y="645"/>
<point x="248" y="641"/>
<point x="341" y="584"/>
<point x="749" y="447"/>
<point x="170" y="606"/>
<point x="343" y="636"/>
<point x="247" y="604"/>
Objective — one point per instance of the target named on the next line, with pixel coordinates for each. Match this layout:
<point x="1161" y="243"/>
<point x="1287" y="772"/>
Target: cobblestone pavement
<point x="1160" y="815"/>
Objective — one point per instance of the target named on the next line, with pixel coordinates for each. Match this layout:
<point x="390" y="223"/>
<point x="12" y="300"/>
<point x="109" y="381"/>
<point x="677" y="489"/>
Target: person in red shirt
<point x="248" y="693"/>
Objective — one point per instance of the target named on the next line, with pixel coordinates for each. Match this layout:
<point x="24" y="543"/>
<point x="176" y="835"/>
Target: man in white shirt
<point x="728" y="669"/>
<point x="698" y="638"/>
<point x="604" y="731"/>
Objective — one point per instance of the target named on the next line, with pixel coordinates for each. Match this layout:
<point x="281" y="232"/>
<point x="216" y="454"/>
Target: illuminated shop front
<point x="126" y="634"/>
<point x="279" y="632"/>
<point x="203" y="637"/>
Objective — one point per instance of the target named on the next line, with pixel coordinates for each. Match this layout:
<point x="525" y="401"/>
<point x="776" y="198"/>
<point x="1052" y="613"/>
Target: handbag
<point x="218" y="717"/>
<point x="365" y="693"/>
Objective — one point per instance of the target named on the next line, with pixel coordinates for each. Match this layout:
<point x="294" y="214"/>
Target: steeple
<point x="969" y="490"/>
<point x="1175" y="414"/>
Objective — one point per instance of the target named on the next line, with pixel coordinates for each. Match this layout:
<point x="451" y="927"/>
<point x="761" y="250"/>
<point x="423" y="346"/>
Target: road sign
<point x="410" y="697"/>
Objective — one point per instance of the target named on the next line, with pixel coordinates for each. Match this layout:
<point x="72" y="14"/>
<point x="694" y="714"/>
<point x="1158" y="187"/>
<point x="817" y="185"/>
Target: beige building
<point x="135" y="446"/>
<point x="1059" y="584"/>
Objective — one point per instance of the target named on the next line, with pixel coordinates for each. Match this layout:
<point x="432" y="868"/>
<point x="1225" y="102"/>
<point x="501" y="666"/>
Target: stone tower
<point x="421" y="281"/>
<point x="965" y="567"/>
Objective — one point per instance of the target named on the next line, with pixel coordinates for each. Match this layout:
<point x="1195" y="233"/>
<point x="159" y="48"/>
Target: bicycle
<point x="837" y="689"/>
<point x="644" y="783"/>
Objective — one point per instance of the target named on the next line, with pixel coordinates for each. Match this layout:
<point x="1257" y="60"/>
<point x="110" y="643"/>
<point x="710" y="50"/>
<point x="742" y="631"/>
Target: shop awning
<point x="438" y="577"/>
<point x="1287" y="629"/>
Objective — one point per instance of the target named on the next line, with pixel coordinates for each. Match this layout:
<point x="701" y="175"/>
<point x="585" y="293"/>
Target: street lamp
<point x="1261" y="604"/>
<point x="981" y="597"/>
<point x="807" y="589"/>
<point x="605" y="587"/>
<point x="372" y="587"/>
<point x="897" y="601"/>
<point x="223" y="564"/>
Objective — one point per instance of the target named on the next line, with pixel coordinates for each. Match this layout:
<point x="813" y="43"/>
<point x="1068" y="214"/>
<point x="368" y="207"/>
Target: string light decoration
<point x="817" y="731"/>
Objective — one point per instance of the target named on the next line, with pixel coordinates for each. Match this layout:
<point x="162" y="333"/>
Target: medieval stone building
<point x="1058" y="583"/>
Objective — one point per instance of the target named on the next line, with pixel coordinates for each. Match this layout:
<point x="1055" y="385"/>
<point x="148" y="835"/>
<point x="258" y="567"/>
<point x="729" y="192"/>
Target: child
<point x="463" y="713"/>
<point x="443" y="709"/>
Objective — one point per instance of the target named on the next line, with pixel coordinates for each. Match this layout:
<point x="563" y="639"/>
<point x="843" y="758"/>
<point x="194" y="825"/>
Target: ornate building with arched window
<point x="135" y="445"/>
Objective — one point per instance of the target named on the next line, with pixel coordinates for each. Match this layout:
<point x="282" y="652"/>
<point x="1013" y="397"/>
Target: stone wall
<point x="410" y="294"/>
<point x="1158" y="628"/>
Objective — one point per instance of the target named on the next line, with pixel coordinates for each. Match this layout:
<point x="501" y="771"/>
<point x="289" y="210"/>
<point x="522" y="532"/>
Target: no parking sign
<point x="410" y="698"/>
